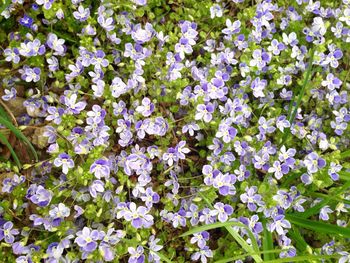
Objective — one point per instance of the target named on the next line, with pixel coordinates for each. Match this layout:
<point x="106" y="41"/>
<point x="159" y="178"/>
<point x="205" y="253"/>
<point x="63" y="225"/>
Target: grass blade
<point x="267" y="243"/>
<point x="243" y="256"/>
<point x="300" y="242"/>
<point x="344" y="175"/>
<point x="162" y="257"/>
<point x="307" y="258"/>
<point x="318" y="226"/>
<point x="4" y="114"/>
<point x="8" y="145"/>
<point x="253" y="250"/>
<point x="18" y="134"/>
<point x="292" y="113"/>
<point x="316" y="208"/>
<point x="210" y="227"/>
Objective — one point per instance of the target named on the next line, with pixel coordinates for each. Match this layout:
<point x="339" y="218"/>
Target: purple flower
<point x="258" y="87"/>
<point x="225" y="183"/>
<point x="12" y="55"/>
<point x="276" y="47"/>
<point x="202" y="254"/>
<point x="53" y="63"/>
<point x="283" y="198"/>
<point x="10" y="183"/>
<point x="200" y="238"/>
<point x="72" y="104"/>
<point x="190" y="128"/>
<point x="106" y="23"/>
<point x="178" y="219"/>
<point x="286" y="156"/>
<point x="99" y="60"/>
<point x="193" y="214"/>
<point x="251" y="198"/>
<point x="142" y="35"/>
<point x="204" y="112"/>
<point x="242" y="173"/>
<point x="146" y="108"/>
<point x="138" y="216"/>
<point x="282" y="123"/>
<point x="54" y="114"/>
<point x="39" y="195"/>
<point x="216" y="147"/>
<point x="215" y="11"/>
<point x="227" y="158"/>
<point x="65" y="161"/>
<point x="222" y="211"/>
<point x="82" y="14"/>
<point x="227" y="132"/>
<point x="266" y="126"/>
<point x="136" y="255"/>
<point x="279" y="169"/>
<point x="170" y="156"/>
<point x="183" y="47"/>
<point x="100" y="168"/>
<point x="58" y="213"/>
<point x="7" y="232"/>
<point x="324" y="213"/>
<point x="345" y="255"/>
<point x="26" y="21"/>
<point x="232" y="28"/>
<point x="97" y="186"/>
<point x="150" y="197"/>
<point x="86" y="239"/>
<point x="181" y="150"/>
<point x="260" y="59"/>
<point x="56" y="44"/>
<point x="334" y="55"/>
<point x="32" y="48"/>
<point x="154" y="247"/>
<point x="261" y="161"/>
<point x="332" y="82"/>
<point x="118" y="87"/>
<point x="9" y="94"/>
<point x="333" y="171"/>
<point x="278" y="224"/>
<point x="306" y="178"/>
<point x="47" y="4"/>
<point x="253" y="223"/>
<point x="338" y="126"/>
<point x="30" y="74"/>
<point x="313" y="162"/>
<point x="55" y="249"/>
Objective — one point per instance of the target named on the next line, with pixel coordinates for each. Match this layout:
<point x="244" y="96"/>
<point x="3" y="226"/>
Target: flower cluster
<point x="227" y="119"/>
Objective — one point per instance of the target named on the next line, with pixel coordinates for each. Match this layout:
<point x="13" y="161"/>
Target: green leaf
<point x="318" y="226"/>
<point x="4" y="140"/>
<point x="18" y="134"/>
<point x="4" y="4"/>
<point x="345" y="154"/>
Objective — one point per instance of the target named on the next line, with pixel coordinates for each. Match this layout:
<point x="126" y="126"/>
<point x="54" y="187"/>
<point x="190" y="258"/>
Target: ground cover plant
<point x="174" y="131"/>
